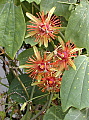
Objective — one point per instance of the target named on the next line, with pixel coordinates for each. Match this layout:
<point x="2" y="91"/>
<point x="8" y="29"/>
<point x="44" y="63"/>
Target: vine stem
<point x="33" y="89"/>
<point x="37" y="97"/>
<point x="4" y="85"/>
<point x="46" y="106"/>
<point x="20" y="83"/>
<point x="50" y="99"/>
<point x="62" y="35"/>
<point x="13" y="63"/>
<point x="28" y="107"/>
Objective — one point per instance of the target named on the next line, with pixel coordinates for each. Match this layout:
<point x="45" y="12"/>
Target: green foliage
<point x="75" y="114"/>
<point x="75" y="85"/>
<point x="17" y="91"/>
<point x="78" y="26"/>
<point x="12" y="27"/>
<point x="72" y="101"/>
<point x="23" y="56"/>
<point x="37" y="1"/>
<point x="31" y="41"/>
<point x="54" y="113"/>
<point x="2" y="115"/>
<point x="62" y="9"/>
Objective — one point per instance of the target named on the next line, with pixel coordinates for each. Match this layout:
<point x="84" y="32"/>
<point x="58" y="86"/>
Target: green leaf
<point x="18" y="94"/>
<point x="12" y="26"/>
<point x="75" y="114"/>
<point x="31" y="41"/>
<point x="23" y="57"/>
<point x="16" y="90"/>
<point x="37" y="1"/>
<point x="75" y="85"/>
<point x="10" y="76"/>
<point x="61" y="9"/>
<point x="39" y="100"/>
<point x="26" y="116"/>
<point x="2" y="115"/>
<point x="54" y="113"/>
<point x="78" y="26"/>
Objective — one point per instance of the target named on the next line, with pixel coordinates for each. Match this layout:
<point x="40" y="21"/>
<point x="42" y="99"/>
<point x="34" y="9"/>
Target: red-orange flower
<point x="64" y="55"/>
<point x="44" y="27"/>
<point x="39" y="66"/>
<point x="49" y="83"/>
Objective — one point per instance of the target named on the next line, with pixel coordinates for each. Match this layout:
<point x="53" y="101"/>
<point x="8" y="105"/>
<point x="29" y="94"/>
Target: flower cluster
<point x="44" y="27"/>
<point x="47" y="67"/>
<point x="39" y="68"/>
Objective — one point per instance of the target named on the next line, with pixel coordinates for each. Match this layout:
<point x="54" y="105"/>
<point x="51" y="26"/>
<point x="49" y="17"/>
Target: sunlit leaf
<point x="12" y="26"/>
<point x="75" y="85"/>
<point x="78" y="26"/>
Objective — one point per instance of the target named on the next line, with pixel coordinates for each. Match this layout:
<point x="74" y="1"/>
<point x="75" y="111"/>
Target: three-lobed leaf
<point x="75" y="85"/>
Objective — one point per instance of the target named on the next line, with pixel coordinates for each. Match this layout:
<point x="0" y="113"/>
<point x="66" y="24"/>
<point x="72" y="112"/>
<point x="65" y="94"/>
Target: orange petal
<point x="37" y="53"/>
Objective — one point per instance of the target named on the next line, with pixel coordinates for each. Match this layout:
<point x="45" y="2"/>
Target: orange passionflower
<point x="49" y="83"/>
<point x="44" y="27"/>
<point x="64" y="55"/>
<point x="39" y="66"/>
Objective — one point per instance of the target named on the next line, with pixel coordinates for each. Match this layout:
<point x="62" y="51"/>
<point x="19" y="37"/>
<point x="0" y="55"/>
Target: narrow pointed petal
<point x="37" y="54"/>
<point x="71" y="63"/>
<point x="49" y="56"/>
<point x="23" y="66"/>
<point x="45" y="41"/>
<point x="36" y="83"/>
<point x="50" y="14"/>
<point x="58" y="73"/>
<point x="33" y="18"/>
<point x="61" y="42"/>
<point x="30" y="34"/>
<point x="75" y="49"/>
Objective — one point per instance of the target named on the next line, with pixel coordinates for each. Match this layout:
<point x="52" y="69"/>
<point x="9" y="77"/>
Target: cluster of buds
<point x="47" y="68"/>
